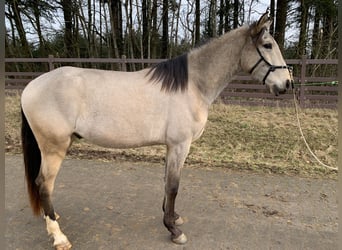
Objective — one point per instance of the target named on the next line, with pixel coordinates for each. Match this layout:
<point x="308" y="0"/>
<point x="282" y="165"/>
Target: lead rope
<point x="306" y="143"/>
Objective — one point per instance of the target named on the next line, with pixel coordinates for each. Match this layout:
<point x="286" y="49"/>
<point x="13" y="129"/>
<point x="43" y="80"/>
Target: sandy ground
<point x="111" y="205"/>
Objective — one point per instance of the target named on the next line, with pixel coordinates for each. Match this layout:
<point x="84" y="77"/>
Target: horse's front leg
<point x="176" y="155"/>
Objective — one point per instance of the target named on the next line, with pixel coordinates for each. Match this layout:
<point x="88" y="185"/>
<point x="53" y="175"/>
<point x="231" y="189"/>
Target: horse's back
<point x="109" y="108"/>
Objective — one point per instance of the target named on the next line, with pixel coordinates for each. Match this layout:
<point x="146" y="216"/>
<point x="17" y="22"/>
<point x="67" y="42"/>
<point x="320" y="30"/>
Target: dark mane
<point x="173" y="74"/>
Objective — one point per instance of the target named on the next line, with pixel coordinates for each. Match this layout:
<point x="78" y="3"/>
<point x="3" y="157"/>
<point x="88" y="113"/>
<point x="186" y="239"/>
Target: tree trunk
<point x="89" y="30"/>
<point x="67" y="7"/>
<point x="165" y="35"/>
<point x="174" y="27"/>
<point x="227" y="26"/>
<point x="236" y="14"/>
<point x="197" y="22"/>
<point x="36" y="14"/>
<point x="316" y="35"/>
<point x="24" y="51"/>
<point x="279" y="34"/>
<point x="212" y="19"/>
<point x="145" y="27"/>
<point x="129" y="32"/>
<point x="303" y="28"/>
<point x="272" y="10"/>
<point x="116" y="16"/>
<point x="177" y="21"/>
<point x="221" y="18"/>
<point x="154" y="28"/>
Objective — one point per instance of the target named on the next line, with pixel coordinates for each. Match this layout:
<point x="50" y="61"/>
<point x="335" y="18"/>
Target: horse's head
<point x="261" y="57"/>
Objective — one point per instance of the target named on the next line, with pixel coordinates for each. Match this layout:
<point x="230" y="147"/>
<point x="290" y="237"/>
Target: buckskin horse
<point x="165" y="104"/>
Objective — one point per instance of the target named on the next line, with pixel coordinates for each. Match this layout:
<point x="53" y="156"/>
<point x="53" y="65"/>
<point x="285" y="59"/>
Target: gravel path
<point x="111" y="205"/>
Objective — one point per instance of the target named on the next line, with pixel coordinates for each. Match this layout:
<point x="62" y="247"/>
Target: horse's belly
<point x="123" y="134"/>
<point x="123" y="140"/>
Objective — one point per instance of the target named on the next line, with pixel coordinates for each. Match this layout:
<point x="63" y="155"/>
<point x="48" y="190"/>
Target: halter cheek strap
<point x="271" y="68"/>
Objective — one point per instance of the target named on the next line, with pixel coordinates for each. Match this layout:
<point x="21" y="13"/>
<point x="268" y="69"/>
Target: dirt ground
<point x="115" y="205"/>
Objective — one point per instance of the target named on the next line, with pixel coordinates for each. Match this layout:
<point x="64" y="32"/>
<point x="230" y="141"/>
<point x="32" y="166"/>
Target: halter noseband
<point x="271" y="67"/>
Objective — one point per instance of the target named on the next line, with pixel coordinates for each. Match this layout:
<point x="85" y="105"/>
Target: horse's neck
<point x="212" y="66"/>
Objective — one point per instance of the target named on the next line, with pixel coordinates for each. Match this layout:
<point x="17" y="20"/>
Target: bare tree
<point x="146" y="27"/>
<point x="188" y="24"/>
<point x="14" y="12"/>
<point x="198" y="22"/>
<point x="303" y="28"/>
<point x="272" y="11"/>
<point x="154" y="28"/>
<point x="129" y="30"/>
<point x="175" y="7"/>
<point x="165" y="34"/>
<point x="236" y="14"/>
<point x="279" y="32"/>
<point x="68" y="10"/>
<point x="115" y="8"/>
<point x="212" y="31"/>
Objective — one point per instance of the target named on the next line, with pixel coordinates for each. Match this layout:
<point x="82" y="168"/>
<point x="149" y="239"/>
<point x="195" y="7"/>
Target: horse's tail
<point x="32" y="161"/>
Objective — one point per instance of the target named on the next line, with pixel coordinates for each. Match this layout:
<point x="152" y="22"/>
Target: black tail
<point x="32" y="161"/>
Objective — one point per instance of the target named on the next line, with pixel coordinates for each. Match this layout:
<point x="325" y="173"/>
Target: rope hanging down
<point x="302" y="134"/>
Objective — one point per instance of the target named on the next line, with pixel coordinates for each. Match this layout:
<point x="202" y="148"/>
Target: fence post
<point x="51" y="66"/>
<point x="123" y="64"/>
<point x="302" y="81"/>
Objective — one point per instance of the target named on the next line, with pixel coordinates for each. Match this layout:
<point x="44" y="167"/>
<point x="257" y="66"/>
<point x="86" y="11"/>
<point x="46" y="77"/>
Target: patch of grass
<point x="268" y="139"/>
<point x="12" y="122"/>
<point x="258" y="139"/>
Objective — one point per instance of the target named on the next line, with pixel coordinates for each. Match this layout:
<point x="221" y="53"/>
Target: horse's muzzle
<point x="279" y="91"/>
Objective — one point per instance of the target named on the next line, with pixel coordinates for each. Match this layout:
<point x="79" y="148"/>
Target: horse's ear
<point x="262" y="25"/>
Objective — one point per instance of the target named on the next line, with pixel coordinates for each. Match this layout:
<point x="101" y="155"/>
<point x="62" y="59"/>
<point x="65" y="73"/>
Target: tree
<point x="115" y="7"/>
<point x="146" y="27"/>
<point x="14" y="13"/>
<point x="304" y="11"/>
<point x="224" y="14"/>
<point x="175" y="8"/>
<point x="330" y="34"/>
<point x="272" y="15"/>
<point x="165" y="35"/>
<point x="212" y="32"/>
<point x="236" y="14"/>
<point x="280" y="23"/>
<point x="154" y="28"/>
<point x="157" y="28"/>
<point x="68" y="11"/>
<point x="198" y="22"/>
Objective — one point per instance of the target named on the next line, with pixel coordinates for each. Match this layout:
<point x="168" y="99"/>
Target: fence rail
<point x="312" y="91"/>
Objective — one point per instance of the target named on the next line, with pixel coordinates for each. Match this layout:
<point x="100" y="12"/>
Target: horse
<point x="165" y="104"/>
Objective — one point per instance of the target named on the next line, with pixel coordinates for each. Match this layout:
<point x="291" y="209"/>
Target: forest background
<point x="161" y="28"/>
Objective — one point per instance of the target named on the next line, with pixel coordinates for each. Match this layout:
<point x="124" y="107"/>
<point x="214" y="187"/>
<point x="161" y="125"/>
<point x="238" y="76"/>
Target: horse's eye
<point x="268" y="46"/>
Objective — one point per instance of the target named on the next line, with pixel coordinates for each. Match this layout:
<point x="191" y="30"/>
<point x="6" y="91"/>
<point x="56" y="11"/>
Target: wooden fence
<point x="311" y="91"/>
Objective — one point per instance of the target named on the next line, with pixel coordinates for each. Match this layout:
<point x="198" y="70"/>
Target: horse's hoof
<point x="62" y="243"/>
<point x="181" y="239"/>
<point x="179" y="221"/>
<point x="63" y="246"/>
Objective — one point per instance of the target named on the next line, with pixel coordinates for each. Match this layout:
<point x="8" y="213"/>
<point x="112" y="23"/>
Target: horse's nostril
<point x="287" y="84"/>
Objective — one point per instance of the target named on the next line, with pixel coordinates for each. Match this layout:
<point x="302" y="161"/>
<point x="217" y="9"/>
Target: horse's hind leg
<point x="176" y="155"/>
<point x="51" y="163"/>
